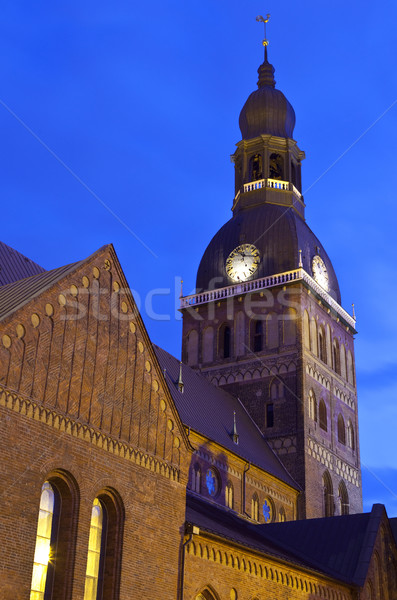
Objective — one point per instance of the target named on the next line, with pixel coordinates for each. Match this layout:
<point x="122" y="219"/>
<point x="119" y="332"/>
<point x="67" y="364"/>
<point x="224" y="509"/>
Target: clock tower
<point x="266" y="321"/>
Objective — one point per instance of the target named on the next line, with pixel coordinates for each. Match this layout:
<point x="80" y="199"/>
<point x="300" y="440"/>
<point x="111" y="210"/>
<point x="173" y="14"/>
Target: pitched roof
<point x="15" y="266"/>
<point x="339" y="547"/>
<point x="15" y="295"/>
<point x="208" y="410"/>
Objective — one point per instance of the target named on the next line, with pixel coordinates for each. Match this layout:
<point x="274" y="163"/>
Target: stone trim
<point x="30" y="409"/>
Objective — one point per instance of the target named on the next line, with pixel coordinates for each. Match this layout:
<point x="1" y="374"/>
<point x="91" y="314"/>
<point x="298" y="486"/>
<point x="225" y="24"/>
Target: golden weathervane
<point x="264" y="20"/>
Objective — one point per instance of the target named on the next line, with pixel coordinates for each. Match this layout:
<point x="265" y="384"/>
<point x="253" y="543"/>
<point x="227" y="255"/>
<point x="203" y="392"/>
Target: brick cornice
<point x="64" y="424"/>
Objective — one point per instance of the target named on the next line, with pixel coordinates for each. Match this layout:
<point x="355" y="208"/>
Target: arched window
<point x="256" y="167"/>
<point x="322" y="414"/>
<point x="273" y="389"/>
<point x="328" y="502"/>
<point x="102" y="580"/>
<point x="289" y="327"/>
<point x="306" y="329"/>
<point x="192" y="348"/>
<point x="328" y="344"/>
<point x="350" y="435"/>
<point x="350" y="368"/>
<point x="276" y="166"/>
<point x="343" y="361"/>
<point x="343" y="499"/>
<point x="208" y="345"/>
<point x="229" y="495"/>
<point x="270" y="414"/>
<point x="239" y="333"/>
<point x="322" y="350"/>
<point x="272" y="331"/>
<point x="313" y="336"/>
<point x="341" y="430"/>
<point x="255" y="508"/>
<point x="196" y="479"/>
<point x="42" y="578"/>
<point x="336" y="356"/>
<point x="257" y="336"/>
<point x="56" y="537"/>
<point x="281" y="515"/>
<point x="312" y="406"/>
<point x="224" y="341"/>
<point x="207" y="594"/>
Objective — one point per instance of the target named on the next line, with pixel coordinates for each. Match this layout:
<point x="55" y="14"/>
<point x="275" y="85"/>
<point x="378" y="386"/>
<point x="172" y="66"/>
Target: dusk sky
<point x="117" y="125"/>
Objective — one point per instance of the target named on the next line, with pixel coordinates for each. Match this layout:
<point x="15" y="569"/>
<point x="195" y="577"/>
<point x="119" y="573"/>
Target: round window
<point x="267" y="510"/>
<point x="211" y="480"/>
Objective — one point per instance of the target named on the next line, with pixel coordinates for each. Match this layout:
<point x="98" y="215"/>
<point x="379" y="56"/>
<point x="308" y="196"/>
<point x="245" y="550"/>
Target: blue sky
<point x="141" y="103"/>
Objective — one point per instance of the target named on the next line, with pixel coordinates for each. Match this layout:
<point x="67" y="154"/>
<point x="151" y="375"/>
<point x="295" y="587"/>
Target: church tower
<point x="266" y="322"/>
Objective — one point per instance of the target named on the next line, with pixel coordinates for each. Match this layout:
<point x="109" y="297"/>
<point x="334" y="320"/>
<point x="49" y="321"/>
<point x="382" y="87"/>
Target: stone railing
<point x="274" y="184"/>
<point x="267" y="282"/>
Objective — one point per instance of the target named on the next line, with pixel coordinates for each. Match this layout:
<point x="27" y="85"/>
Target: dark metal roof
<point x="15" y="295"/>
<point x="209" y="410"/>
<point x="279" y="233"/>
<point x="267" y="111"/>
<point x="339" y="547"/>
<point x="15" y="266"/>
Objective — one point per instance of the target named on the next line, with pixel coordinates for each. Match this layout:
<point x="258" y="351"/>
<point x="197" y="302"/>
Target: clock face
<point x="320" y="273"/>
<point x="242" y="262"/>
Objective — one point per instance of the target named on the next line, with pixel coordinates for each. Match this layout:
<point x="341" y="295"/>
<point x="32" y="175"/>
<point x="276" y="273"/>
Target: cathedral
<point x="233" y="474"/>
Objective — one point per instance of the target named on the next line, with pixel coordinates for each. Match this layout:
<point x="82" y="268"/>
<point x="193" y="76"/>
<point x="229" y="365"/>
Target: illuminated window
<point x="42" y="570"/>
<point x="229" y="495"/>
<point x="95" y="552"/>
<point x="255" y="508"/>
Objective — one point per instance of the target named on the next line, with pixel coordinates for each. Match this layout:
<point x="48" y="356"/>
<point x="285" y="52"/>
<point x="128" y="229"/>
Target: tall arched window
<point x="256" y="167"/>
<point x="313" y="336"/>
<point x="343" y="499"/>
<point x="192" y="348"/>
<point x="276" y="166"/>
<point x="350" y="435"/>
<point x="44" y="554"/>
<point x="225" y="341"/>
<point x="257" y="337"/>
<point x="350" y="369"/>
<point x="239" y="334"/>
<point x="102" y="581"/>
<point x="281" y="515"/>
<point x="329" y="507"/>
<point x="196" y="478"/>
<point x="272" y="331"/>
<point x="341" y="430"/>
<point x="312" y="406"/>
<point x="289" y="326"/>
<point x="328" y="344"/>
<point x="322" y="414"/>
<point x="322" y="350"/>
<point x="229" y="495"/>
<point x="206" y="594"/>
<point x="336" y="356"/>
<point x="343" y="361"/>
<point x="255" y="508"/>
<point x="208" y="345"/>
<point x="306" y="329"/>
<point x="56" y="538"/>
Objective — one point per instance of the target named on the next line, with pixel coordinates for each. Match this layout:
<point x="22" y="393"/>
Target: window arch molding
<point x="111" y="546"/>
<point x="208" y="593"/>
<point x="59" y="578"/>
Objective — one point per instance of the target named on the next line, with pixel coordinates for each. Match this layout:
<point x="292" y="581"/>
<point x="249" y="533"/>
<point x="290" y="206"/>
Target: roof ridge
<point x="375" y="517"/>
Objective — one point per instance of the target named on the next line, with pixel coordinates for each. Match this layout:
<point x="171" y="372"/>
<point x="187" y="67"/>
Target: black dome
<point x="278" y="233"/>
<point x="267" y="110"/>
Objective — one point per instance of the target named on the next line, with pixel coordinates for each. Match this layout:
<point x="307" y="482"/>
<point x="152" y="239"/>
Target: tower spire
<point x="265" y="42"/>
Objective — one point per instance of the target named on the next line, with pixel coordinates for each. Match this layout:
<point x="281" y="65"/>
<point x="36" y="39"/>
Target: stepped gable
<point x="15" y="266"/>
<point x="208" y="410"/>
